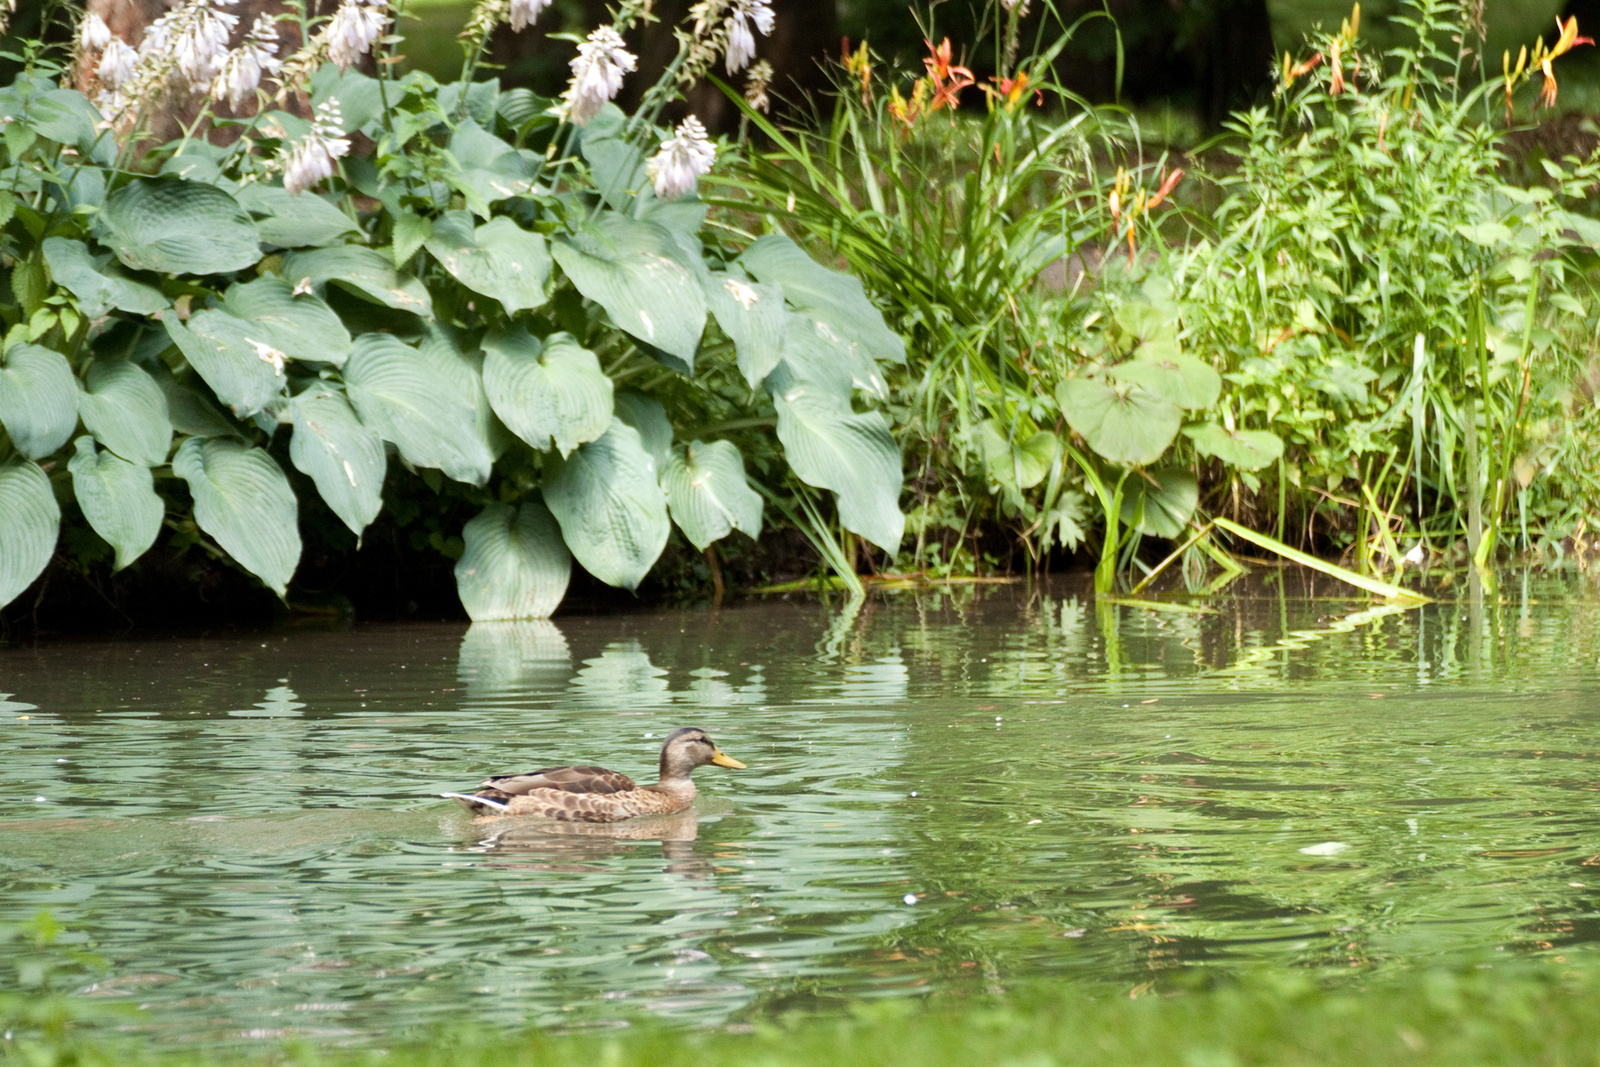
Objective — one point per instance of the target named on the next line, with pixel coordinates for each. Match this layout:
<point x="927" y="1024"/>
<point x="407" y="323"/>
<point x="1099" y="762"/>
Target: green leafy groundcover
<point x="1492" y="1016"/>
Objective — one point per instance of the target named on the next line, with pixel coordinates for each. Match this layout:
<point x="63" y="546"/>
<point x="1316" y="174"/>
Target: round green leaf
<point x="498" y="259"/>
<point x="707" y="492"/>
<point x="833" y="447"/>
<point x="555" y="394"/>
<point x="1167" y="505"/>
<point x="835" y="300"/>
<point x="29" y="522"/>
<point x="515" y="566"/>
<point x="98" y="284"/>
<point x="124" y="408"/>
<point x="179" y="227"/>
<point x="301" y="327"/>
<point x="1021" y="464"/>
<point x="38" y="399"/>
<point x="362" y="271"/>
<point x="1177" y="379"/>
<point x="1126" y="425"/>
<point x="753" y="316"/>
<point x="611" y="510"/>
<point x="340" y="454"/>
<point x="242" y="499"/>
<point x="1248" y="450"/>
<point x="118" y="498"/>
<point x="401" y="394"/>
<point x="646" y="283"/>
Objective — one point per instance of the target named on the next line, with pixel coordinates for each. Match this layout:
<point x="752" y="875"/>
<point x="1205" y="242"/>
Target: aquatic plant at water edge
<point x="517" y="294"/>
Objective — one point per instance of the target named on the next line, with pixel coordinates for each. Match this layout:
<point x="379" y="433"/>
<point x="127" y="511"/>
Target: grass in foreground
<point x="1496" y="1016"/>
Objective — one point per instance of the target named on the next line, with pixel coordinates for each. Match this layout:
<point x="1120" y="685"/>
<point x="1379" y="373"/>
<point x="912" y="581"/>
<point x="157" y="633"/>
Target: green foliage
<point x="490" y="296"/>
<point x="1368" y="310"/>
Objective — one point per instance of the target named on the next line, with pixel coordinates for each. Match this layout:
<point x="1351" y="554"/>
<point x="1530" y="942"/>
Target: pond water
<point x="949" y="791"/>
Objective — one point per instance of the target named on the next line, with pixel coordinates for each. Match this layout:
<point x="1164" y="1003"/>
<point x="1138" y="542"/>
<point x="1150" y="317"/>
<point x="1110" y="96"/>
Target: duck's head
<point x="688" y="748"/>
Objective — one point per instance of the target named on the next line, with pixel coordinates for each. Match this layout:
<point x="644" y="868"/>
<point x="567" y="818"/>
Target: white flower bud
<point x="597" y="72"/>
<point x="523" y="12"/>
<point x="93" y="33"/>
<point x="741" y="42"/>
<point x="353" y="29"/>
<point x="683" y="158"/>
<point x="117" y="64"/>
<point x="311" y="161"/>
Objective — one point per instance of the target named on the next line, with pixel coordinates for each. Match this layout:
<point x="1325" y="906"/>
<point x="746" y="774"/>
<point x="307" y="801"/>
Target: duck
<point x="595" y="794"/>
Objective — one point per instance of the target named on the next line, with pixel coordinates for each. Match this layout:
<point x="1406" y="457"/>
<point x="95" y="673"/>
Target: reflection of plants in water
<point x="48" y="964"/>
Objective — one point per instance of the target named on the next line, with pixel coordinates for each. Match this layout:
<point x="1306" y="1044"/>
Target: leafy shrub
<point x="530" y="306"/>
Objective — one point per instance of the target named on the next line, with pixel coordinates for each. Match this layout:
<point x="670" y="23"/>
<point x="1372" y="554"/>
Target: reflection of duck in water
<point x="594" y="794"/>
<point x="579" y="847"/>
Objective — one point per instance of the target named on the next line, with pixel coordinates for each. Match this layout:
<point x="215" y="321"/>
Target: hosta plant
<point x="518" y="294"/>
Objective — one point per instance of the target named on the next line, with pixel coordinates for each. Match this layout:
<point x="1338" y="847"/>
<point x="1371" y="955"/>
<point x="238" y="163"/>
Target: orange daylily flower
<point x="1014" y="89"/>
<point x="1336" y="68"/>
<point x="1569" y="39"/>
<point x="947" y="78"/>
<point x="1166" y="188"/>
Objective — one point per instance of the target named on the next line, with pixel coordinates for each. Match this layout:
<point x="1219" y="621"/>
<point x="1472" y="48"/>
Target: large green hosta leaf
<point x="441" y="347"/>
<point x="650" y="419"/>
<point x="401" y="394"/>
<point x="123" y="407"/>
<point x="498" y="259"/>
<point x="708" y="494"/>
<point x="554" y="392"/>
<point x="38" y="399"/>
<point x="367" y="274"/>
<point x="340" y="454"/>
<point x="489" y="169"/>
<point x="98" y="284"/>
<point x="814" y="354"/>
<point x="611" y="509"/>
<point x="833" y="447"/>
<point x="637" y="272"/>
<point x="118" y="498"/>
<point x="1126" y="425"/>
<point x="301" y="327"/>
<point x="179" y="227"/>
<point x="29" y="522"/>
<point x="190" y="410"/>
<point x="242" y="499"/>
<point x="753" y="316"/>
<point x="294" y="221"/>
<point x="1247" y="450"/>
<point x="833" y="299"/>
<point x="515" y="565"/>
<point x="236" y="358"/>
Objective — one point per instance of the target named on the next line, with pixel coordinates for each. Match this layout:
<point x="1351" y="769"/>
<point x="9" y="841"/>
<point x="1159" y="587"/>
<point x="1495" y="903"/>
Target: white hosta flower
<point x="523" y="12"/>
<point x="311" y="161"/>
<point x="597" y="72"/>
<point x="741" y="42"/>
<point x="756" y="84"/>
<point x="242" y="69"/>
<point x="192" y="40"/>
<point x="684" y="156"/>
<point x="93" y="33"/>
<point x="353" y="29"/>
<point x="116" y="65"/>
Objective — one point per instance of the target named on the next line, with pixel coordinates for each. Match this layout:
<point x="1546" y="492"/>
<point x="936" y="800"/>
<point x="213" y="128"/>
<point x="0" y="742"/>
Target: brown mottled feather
<point x="595" y="794"/>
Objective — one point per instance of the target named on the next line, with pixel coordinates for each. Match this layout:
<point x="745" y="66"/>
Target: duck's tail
<point x="477" y="805"/>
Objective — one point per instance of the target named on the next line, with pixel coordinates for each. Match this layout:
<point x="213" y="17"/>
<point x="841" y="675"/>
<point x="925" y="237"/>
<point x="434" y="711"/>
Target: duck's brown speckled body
<point x="594" y="794"/>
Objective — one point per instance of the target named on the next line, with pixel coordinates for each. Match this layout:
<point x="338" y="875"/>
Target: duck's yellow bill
<point x="722" y="759"/>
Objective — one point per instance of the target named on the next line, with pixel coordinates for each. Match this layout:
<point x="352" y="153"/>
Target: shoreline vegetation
<point x="392" y="346"/>
<point x="1504" y="1014"/>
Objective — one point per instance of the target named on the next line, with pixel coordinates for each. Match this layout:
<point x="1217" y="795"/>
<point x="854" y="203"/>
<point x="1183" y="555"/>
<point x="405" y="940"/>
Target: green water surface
<point x="949" y="792"/>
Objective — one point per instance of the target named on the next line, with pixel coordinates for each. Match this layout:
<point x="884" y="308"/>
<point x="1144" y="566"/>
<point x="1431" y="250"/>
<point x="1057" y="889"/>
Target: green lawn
<point x="1495" y="1016"/>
